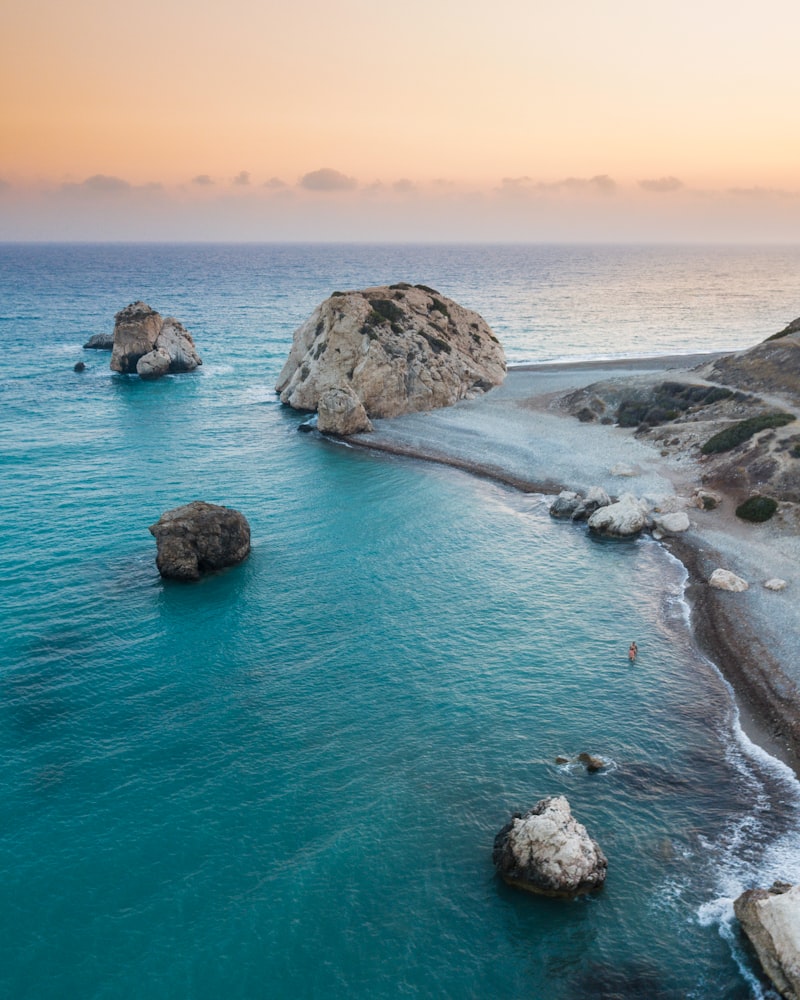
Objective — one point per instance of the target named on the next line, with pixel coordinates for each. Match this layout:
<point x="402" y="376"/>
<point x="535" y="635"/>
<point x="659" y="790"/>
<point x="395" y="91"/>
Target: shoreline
<point x="516" y="435"/>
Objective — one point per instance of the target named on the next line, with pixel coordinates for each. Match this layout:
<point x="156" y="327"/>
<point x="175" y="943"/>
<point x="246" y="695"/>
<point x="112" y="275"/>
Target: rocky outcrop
<point x="624" y="519"/>
<point x="340" y="412"/>
<point x="772" y="366"/>
<point x="577" y="507"/>
<point x="143" y="339"/>
<point x="100" y="342"/>
<point x="400" y="349"/>
<point x="671" y="523"/>
<point x="771" y="920"/>
<point x="547" y="851"/>
<point x="724" y="579"/>
<point x="198" y="538"/>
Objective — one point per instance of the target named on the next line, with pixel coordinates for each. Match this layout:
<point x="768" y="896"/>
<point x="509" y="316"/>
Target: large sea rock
<point x="199" y="538"/>
<point x="624" y="519"/>
<point x="400" y="349"/>
<point x="150" y="345"/>
<point x="771" y="920"/>
<point x="548" y="852"/>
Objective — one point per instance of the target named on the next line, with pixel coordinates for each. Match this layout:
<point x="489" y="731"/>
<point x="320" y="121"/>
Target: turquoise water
<point x="285" y="780"/>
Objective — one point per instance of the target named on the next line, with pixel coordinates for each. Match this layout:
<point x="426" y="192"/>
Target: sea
<point x="284" y="781"/>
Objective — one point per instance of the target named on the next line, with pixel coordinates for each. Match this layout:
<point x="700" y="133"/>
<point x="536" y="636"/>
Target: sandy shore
<point x="519" y="435"/>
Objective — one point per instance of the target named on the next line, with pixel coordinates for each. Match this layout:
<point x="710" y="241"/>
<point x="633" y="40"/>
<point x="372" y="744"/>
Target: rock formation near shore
<point x="548" y="852"/>
<point x="150" y="345"/>
<point x="199" y="538"/>
<point x="624" y="519"/>
<point x="399" y="349"/>
<point x="771" y="920"/>
<point x="100" y="342"/>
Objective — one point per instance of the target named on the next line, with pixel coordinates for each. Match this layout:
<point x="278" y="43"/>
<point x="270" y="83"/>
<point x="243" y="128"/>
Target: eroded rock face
<point x="547" y="851"/>
<point x="140" y="332"/>
<point x="341" y="412"/>
<point x="199" y="538"/>
<point x="401" y="349"/>
<point x="771" y="920"/>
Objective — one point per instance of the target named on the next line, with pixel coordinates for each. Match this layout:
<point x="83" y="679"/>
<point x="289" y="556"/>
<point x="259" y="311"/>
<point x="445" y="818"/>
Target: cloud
<point x="762" y="194"/>
<point x="661" y="185"/>
<point x="242" y="179"/>
<point x="275" y="183"/>
<point x="327" y="179"/>
<point x="524" y="186"/>
<point x="404" y="186"/>
<point x="102" y="184"/>
<point x="203" y="180"/>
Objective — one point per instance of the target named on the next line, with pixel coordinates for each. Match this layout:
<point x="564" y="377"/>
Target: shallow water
<point x="286" y="779"/>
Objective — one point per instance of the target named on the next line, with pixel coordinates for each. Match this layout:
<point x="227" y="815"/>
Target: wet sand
<point x="518" y="435"/>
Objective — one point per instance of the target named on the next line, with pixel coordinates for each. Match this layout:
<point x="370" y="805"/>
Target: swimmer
<point x="633" y="650"/>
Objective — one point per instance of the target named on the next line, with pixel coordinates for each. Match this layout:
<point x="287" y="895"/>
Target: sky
<point x="515" y="120"/>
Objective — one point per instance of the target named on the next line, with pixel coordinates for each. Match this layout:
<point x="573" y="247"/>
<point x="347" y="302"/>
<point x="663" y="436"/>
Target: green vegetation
<point x="439" y="306"/>
<point x="437" y="343"/>
<point x="400" y="286"/>
<point x="334" y="294"/>
<point x="387" y="309"/>
<point x="742" y="431"/>
<point x="666" y="402"/>
<point x="757" y="509"/>
<point x="428" y="289"/>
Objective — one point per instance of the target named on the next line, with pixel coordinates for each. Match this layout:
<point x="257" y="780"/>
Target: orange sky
<point x="420" y="111"/>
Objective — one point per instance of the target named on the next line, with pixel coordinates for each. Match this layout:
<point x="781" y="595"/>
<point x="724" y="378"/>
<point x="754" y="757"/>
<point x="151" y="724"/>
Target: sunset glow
<point x="200" y="121"/>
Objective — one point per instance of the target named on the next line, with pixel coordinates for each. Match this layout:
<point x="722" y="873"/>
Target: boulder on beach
<point x="565" y="504"/>
<point x="198" y="538"/>
<point x="400" y="349"/>
<point x="596" y="497"/>
<point x="624" y="519"/>
<point x="548" y="852"/>
<point x="771" y="920"/>
<point x="340" y="412"/>
<point x="724" y="579"/>
<point x="143" y="335"/>
<point x="672" y="523"/>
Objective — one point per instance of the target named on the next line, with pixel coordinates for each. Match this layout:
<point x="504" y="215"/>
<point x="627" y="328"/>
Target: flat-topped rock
<point x="400" y="349"/>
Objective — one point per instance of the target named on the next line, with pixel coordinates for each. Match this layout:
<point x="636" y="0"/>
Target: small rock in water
<point x="776" y="584"/>
<point x="591" y="762"/>
<point x="199" y="537"/>
<point x="548" y="852"/>
<point x="79" y="366"/>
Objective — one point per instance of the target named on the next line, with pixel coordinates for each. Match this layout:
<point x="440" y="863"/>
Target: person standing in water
<point x="633" y="650"/>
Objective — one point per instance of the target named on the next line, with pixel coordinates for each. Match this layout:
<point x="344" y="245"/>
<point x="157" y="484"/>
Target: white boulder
<point x="672" y="523"/>
<point x="771" y="920"/>
<point x="547" y="851"/>
<point x="723" y="579"/>
<point x="623" y="519"/>
<point x="340" y="412"/>
<point x="776" y="584"/>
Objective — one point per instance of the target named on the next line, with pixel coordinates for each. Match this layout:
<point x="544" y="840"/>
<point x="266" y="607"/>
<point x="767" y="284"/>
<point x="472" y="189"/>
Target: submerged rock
<point x="199" y="537"/>
<point x="141" y="334"/>
<point x="400" y="349"/>
<point x="547" y="851"/>
<point x="771" y="920"/>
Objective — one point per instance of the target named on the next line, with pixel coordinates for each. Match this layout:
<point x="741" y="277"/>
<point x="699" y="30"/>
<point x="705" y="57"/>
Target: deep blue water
<point x="284" y="781"/>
